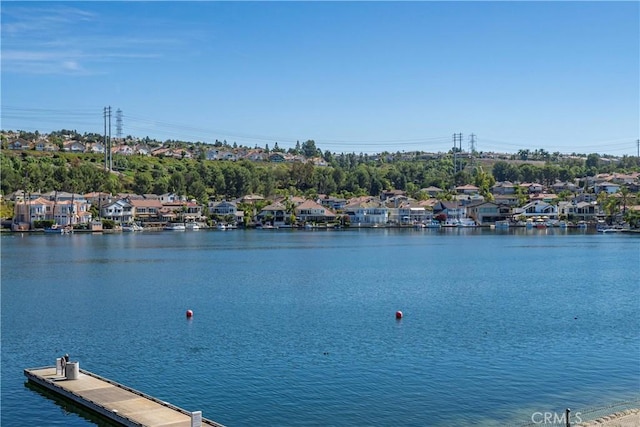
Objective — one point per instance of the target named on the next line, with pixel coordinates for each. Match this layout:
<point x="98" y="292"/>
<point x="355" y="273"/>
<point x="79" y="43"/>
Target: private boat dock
<point x="112" y="400"/>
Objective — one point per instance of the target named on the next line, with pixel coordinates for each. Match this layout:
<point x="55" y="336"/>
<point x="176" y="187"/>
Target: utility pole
<point x="455" y="157"/>
<point x="110" y="154"/>
<point x="638" y="145"/>
<point x="106" y="158"/>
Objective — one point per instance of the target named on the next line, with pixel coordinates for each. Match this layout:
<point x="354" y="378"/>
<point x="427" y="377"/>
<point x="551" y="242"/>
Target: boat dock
<point x="112" y="400"/>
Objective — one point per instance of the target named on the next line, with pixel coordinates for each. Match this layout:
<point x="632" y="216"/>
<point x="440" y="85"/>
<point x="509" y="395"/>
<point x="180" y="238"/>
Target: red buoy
<point x="189" y="314"/>
<point x="398" y="314"/>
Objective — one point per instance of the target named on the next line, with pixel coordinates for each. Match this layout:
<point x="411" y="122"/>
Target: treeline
<point x="347" y="175"/>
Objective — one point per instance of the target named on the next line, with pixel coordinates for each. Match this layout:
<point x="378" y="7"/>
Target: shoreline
<point x="626" y="418"/>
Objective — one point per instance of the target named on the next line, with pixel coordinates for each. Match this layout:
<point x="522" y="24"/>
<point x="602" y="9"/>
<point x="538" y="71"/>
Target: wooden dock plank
<point x="120" y="403"/>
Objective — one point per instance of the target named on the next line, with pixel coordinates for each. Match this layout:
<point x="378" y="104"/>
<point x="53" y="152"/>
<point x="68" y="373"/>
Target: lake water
<point x="298" y="327"/>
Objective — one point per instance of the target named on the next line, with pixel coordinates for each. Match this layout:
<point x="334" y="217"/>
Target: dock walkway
<point x="115" y="401"/>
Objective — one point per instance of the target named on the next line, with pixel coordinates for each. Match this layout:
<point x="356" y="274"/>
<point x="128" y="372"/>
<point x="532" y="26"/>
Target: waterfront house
<point x="29" y="211"/>
<point x="484" y="213"/>
<point x="222" y="208"/>
<point x="69" y="208"/>
<point x="225" y="208"/>
<point x="181" y="210"/>
<point x="409" y="212"/>
<point x="578" y="211"/>
<point x="367" y="212"/>
<point x="62" y="212"/>
<point x="453" y="211"/>
<point x="310" y="211"/>
<point x="119" y="211"/>
<point x="146" y="210"/>
<point x="275" y="214"/>
<point x="537" y="208"/>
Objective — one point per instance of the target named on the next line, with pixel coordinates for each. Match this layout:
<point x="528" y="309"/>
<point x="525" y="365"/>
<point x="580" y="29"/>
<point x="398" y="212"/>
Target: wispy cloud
<point x="48" y="39"/>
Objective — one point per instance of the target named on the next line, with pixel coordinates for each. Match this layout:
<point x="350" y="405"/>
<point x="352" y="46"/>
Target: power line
<point x="88" y="117"/>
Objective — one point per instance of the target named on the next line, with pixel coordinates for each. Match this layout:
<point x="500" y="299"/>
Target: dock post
<point x="59" y="366"/>
<point x="196" y="419"/>
<point x="72" y="370"/>
<point x="568" y="415"/>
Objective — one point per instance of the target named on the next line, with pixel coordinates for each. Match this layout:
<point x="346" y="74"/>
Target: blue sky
<point x="353" y="76"/>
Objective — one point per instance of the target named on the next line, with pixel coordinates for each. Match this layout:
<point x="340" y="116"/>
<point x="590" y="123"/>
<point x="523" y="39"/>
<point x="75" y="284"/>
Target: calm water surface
<point x="298" y="328"/>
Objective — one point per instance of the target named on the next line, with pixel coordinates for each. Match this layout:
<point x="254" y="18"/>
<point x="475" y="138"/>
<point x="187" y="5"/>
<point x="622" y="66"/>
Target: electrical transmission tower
<point x="119" y="123"/>
<point x="472" y="148"/>
<point x="457" y="140"/>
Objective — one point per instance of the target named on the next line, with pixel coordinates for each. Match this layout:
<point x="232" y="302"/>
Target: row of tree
<point x="347" y="175"/>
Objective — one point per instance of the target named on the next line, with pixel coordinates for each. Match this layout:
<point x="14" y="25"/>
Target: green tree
<point x="177" y="184"/>
<point x="142" y="183"/>
<point x="309" y="149"/>
<point x="499" y="170"/>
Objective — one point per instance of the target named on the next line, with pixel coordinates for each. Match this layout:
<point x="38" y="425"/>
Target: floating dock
<point x="112" y="400"/>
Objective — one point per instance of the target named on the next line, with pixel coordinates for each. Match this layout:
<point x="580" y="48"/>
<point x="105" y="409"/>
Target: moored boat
<point x="131" y="227"/>
<point x="175" y="226"/>
<point x="58" y="229"/>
